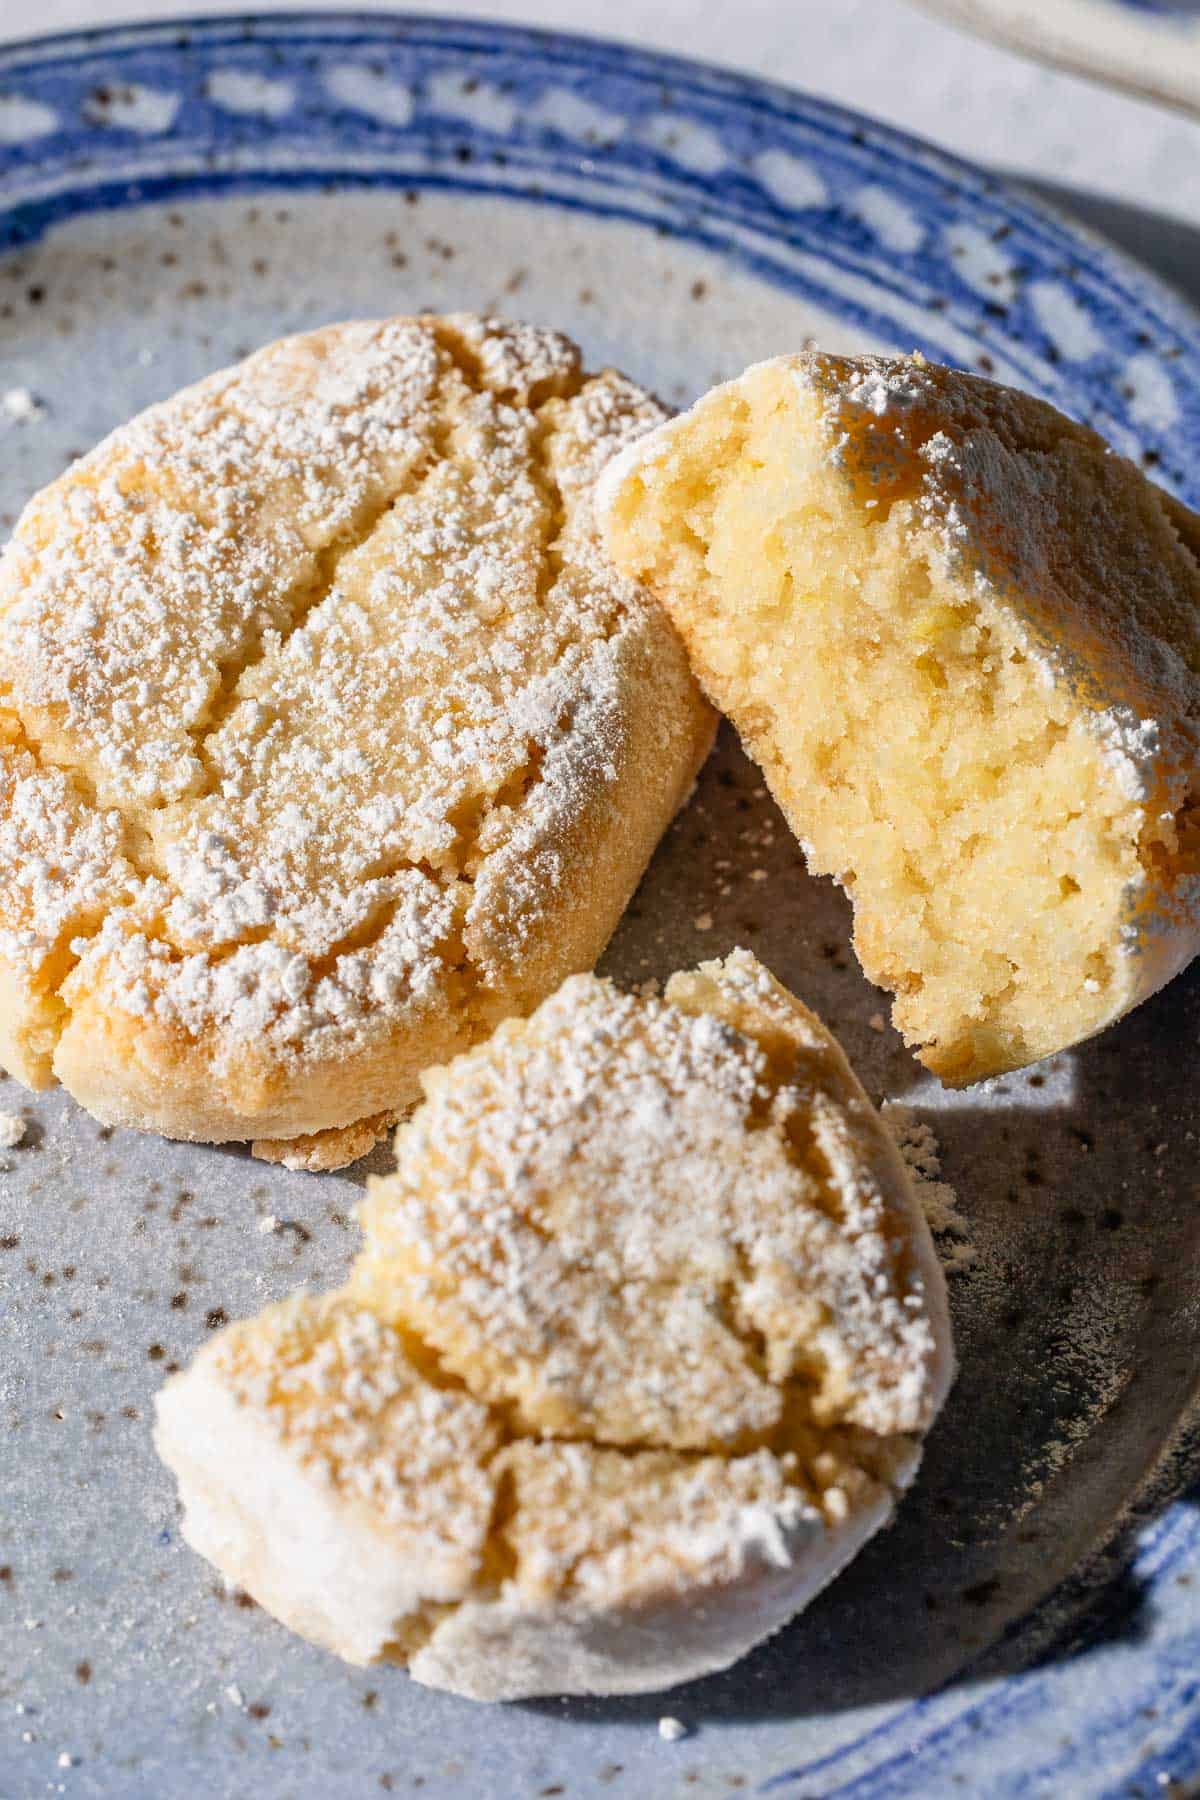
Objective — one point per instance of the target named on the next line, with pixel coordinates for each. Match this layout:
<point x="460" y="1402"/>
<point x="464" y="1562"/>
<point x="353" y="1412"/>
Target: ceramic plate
<point x="1150" y="47"/>
<point x="169" y="198"/>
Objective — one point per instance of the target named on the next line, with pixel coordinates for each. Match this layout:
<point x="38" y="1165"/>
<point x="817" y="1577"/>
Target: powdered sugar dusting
<point x="320" y="646"/>
<point x="625" y="1173"/>
<point x="341" y="1392"/>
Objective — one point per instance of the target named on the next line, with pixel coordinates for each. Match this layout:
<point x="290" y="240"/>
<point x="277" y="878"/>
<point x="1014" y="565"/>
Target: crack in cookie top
<point x="293" y="662"/>
<point x="669" y="1222"/>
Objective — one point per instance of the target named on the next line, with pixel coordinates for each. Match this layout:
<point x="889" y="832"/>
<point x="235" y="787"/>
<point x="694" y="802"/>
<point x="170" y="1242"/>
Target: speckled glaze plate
<point x="170" y="197"/>
<point x="1149" y="47"/>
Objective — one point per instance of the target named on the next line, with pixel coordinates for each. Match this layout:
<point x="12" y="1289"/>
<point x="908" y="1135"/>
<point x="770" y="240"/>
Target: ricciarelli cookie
<point x="962" y="638"/>
<point x="328" y="738"/>
<point x="641" y="1348"/>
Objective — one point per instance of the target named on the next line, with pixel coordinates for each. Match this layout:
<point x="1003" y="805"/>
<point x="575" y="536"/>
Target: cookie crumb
<point x="22" y="407"/>
<point x="919" y="1149"/>
<point x="12" y="1130"/>
<point x="876" y="1021"/>
<point x="703" y="921"/>
<point x="671" y="1730"/>
<point x="66" y="1760"/>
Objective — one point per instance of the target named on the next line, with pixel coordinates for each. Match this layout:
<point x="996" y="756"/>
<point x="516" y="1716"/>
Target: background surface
<point x="1125" y="167"/>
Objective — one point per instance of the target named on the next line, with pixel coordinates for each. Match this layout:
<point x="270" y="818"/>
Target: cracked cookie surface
<point x="327" y="736"/>
<point x="640" y="1348"/>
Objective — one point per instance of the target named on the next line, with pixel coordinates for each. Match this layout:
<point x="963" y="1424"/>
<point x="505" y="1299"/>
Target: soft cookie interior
<point x="856" y="593"/>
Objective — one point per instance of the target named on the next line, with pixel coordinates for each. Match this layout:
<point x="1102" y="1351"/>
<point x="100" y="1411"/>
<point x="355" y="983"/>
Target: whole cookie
<point x="327" y="736"/>
<point x="641" y="1347"/>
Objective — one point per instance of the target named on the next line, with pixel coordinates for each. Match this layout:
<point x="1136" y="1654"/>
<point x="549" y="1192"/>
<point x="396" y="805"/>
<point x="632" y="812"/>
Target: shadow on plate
<point x="1168" y="246"/>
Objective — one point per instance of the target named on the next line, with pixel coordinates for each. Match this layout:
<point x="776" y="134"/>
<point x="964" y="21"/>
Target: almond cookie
<point x="962" y="638"/>
<point x="328" y="738"/>
<point x="641" y="1347"/>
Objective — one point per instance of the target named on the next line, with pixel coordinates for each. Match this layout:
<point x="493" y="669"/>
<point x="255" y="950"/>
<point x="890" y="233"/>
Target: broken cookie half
<point x="962" y="638"/>
<point x="641" y="1347"/>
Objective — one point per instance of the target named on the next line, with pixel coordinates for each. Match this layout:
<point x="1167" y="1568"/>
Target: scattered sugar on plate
<point x="671" y="1730"/>
<point x="268" y="1223"/>
<point x="919" y="1148"/>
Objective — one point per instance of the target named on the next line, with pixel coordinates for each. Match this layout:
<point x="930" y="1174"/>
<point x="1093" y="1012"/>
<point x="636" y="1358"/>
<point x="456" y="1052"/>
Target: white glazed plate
<point x="171" y="197"/>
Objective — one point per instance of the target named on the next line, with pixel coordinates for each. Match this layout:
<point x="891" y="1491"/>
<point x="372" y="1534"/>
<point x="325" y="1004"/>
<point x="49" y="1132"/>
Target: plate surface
<point x="170" y="198"/>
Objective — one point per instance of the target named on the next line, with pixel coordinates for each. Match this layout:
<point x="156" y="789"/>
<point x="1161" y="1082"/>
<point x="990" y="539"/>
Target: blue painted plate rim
<point x="1109" y="275"/>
